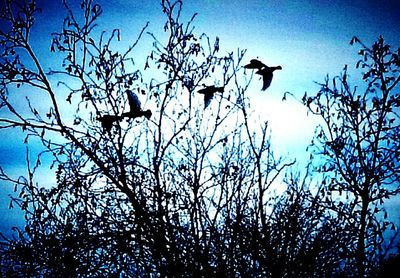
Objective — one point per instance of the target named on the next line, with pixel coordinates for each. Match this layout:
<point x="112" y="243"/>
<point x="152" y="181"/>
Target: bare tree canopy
<point x="162" y="168"/>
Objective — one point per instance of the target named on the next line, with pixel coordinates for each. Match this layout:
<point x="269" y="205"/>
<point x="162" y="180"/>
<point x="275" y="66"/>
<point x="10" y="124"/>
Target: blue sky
<point x="307" y="38"/>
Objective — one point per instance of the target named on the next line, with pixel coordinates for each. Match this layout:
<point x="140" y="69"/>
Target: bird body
<point x="208" y="93"/>
<point x="138" y="114"/>
<point x="255" y="64"/>
<point x="263" y="70"/>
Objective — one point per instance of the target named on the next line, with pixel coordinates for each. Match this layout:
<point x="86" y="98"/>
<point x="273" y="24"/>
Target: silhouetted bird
<point x="135" y="107"/>
<point x="263" y="70"/>
<point x="108" y="120"/>
<point x="208" y="93"/>
<point x="135" y="111"/>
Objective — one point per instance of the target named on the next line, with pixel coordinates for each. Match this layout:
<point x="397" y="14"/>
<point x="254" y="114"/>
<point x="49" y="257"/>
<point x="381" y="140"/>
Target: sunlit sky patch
<point x="307" y="38"/>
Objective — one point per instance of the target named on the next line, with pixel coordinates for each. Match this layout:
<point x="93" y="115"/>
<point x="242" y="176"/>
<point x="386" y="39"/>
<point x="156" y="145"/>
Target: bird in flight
<point x="208" y="93"/>
<point x="135" y="112"/>
<point x="262" y="69"/>
<point x="135" y="107"/>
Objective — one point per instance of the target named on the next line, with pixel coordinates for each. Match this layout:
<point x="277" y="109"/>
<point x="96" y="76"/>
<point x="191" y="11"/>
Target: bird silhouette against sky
<point x="135" y="107"/>
<point x="134" y="112"/>
<point x="208" y="93"/>
<point x="263" y="70"/>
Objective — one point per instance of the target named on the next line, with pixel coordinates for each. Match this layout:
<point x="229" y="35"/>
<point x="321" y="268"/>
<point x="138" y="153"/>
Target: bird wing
<point x="208" y="93"/>
<point x="210" y="90"/>
<point x="134" y="102"/>
<point x="266" y="81"/>
<point x="267" y="77"/>
<point x="207" y="99"/>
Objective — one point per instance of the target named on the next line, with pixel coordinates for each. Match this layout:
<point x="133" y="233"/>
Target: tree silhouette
<point x="158" y="196"/>
<point x="183" y="191"/>
<point x="359" y="147"/>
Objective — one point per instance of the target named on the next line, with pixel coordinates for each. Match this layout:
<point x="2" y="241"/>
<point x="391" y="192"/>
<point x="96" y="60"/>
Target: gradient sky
<point x="307" y="38"/>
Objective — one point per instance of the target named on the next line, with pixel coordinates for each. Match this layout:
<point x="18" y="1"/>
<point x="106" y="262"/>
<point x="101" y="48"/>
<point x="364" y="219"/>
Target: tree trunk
<point x="360" y="252"/>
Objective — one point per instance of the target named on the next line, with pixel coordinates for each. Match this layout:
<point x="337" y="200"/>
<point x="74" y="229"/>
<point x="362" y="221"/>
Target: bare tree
<point x="172" y="193"/>
<point x="359" y="147"/>
<point x="304" y="238"/>
<point x="162" y="168"/>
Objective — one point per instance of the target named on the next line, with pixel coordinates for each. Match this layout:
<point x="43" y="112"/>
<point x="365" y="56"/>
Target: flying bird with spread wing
<point x="265" y="71"/>
<point x="208" y="93"/>
<point x="134" y="112"/>
<point x="135" y="107"/>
